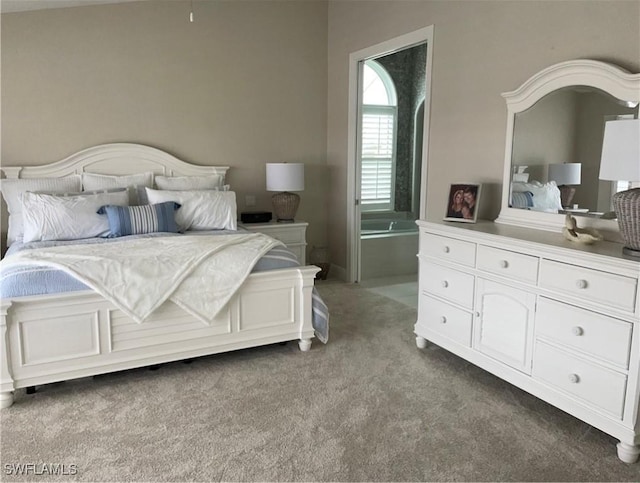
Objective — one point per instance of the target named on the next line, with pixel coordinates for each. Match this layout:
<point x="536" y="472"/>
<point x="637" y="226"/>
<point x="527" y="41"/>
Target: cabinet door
<point x="504" y="323"/>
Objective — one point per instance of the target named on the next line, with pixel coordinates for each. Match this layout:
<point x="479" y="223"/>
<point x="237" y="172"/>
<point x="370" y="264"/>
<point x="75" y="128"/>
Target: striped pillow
<point x="523" y="199"/>
<point x="135" y="220"/>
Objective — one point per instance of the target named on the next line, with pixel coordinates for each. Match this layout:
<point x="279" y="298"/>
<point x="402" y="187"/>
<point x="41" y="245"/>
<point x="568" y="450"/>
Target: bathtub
<point x="388" y="247"/>
<point x="386" y="227"/>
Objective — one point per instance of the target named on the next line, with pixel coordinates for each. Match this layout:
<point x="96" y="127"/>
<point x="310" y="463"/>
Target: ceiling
<point x="7" y="6"/>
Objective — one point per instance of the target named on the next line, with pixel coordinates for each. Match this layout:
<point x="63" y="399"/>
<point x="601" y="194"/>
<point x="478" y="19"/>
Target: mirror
<point x="566" y="126"/>
<point x="555" y="127"/>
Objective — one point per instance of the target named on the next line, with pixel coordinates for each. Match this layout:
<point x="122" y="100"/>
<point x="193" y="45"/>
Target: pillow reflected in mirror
<point x="544" y="197"/>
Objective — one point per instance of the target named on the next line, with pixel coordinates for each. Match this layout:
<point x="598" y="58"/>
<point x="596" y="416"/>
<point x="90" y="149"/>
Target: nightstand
<point x="291" y="234"/>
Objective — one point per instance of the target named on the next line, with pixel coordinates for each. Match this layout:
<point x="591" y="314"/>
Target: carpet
<point x="368" y="406"/>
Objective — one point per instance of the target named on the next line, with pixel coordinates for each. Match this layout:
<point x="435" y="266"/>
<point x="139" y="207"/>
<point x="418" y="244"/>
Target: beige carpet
<point x="369" y="406"/>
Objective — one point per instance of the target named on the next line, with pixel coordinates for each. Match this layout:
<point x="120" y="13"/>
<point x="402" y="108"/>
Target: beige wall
<point x="481" y="48"/>
<point x="243" y="85"/>
<point x="256" y="81"/>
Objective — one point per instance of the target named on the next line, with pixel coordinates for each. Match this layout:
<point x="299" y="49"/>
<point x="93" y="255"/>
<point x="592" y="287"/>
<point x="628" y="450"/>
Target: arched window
<point x="379" y="114"/>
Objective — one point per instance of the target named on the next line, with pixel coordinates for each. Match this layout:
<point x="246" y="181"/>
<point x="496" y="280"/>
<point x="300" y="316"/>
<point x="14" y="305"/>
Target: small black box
<point x="255" y="217"/>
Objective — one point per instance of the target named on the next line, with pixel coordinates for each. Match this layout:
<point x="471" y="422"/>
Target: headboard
<point x="115" y="159"/>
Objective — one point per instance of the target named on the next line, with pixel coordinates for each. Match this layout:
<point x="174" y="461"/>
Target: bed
<point x="50" y="337"/>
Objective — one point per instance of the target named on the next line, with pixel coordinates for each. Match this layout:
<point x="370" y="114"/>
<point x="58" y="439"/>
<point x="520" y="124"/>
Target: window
<point x="379" y="114"/>
<point x="625" y="185"/>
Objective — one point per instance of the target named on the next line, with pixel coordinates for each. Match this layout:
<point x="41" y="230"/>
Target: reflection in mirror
<point x="565" y="126"/>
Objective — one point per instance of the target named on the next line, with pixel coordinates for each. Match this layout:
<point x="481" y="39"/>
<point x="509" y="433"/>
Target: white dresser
<point x="291" y="234"/>
<point x="559" y="320"/>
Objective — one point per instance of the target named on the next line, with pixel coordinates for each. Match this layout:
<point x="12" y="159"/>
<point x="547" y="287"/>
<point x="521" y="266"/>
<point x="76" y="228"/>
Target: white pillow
<point x="201" y="209"/>
<point x="51" y="217"/>
<point x="135" y="183"/>
<point x="12" y="190"/>
<point x="184" y="183"/>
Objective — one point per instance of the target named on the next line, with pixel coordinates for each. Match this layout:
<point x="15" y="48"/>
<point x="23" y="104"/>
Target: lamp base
<point x="285" y="206"/>
<point x="566" y="195"/>
<point x="631" y="252"/>
<point x="627" y="207"/>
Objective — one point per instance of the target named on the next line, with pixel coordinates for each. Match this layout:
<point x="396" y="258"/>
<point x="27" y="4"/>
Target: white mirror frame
<point x="604" y="76"/>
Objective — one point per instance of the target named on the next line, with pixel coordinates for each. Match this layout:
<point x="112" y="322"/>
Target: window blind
<point x="378" y="141"/>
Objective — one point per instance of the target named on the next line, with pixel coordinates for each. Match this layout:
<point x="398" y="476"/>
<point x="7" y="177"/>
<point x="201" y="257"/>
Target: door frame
<point x="353" y="128"/>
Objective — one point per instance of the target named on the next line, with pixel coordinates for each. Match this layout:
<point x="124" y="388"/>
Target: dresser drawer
<point x="450" y="249"/>
<point x="590" y="382"/>
<point x="508" y="264"/>
<point x="603" y="288"/>
<point x="447" y="283"/>
<point x="449" y="321"/>
<point x="597" y="335"/>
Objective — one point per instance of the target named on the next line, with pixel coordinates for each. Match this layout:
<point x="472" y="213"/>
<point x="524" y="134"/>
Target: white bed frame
<point x="49" y="338"/>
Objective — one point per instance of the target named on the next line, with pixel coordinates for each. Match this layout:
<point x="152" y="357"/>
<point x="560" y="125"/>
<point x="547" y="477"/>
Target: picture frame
<point x="463" y="201"/>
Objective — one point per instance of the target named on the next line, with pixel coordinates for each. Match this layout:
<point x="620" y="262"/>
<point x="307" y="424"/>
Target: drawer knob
<point x="574" y="378"/>
<point x="581" y="283"/>
<point x="443" y="319"/>
<point x="446" y="249"/>
<point x="445" y="284"/>
<point x="504" y="263"/>
<point x="577" y="330"/>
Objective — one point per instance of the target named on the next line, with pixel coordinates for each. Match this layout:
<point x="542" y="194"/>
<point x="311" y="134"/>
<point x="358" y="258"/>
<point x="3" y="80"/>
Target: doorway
<point x="388" y="146"/>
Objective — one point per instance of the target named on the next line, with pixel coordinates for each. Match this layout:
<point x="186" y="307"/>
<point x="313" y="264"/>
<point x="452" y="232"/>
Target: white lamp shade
<point x="565" y="174"/>
<point x="285" y="177"/>
<point x="621" y="151"/>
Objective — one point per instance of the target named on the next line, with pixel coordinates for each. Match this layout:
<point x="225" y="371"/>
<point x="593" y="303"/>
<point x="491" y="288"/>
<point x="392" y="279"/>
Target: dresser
<point x="557" y="319"/>
<point x="291" y="234"/>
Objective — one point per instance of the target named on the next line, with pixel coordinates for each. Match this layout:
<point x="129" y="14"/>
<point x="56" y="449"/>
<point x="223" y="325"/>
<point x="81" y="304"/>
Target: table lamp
<point x="285" y="177"/>
<point x="564" y="175"/>
<point x="621" y="162"/>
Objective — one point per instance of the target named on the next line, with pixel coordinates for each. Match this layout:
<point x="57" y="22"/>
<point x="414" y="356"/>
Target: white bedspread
<point x="199" y="274"/>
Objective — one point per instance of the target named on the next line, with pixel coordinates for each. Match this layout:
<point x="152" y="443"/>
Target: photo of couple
<point x="463" y="201"/>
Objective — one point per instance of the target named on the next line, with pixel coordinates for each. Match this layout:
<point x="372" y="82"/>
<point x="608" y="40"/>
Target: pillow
<point x="546" y="197"/>
<point x="522" y="199"/>
<point x="81" y="193"/>
<point x="184" y="183"/>
<point x="135" y="183"/>
<point x="12" y="190"/>
<point x="135" y="220"/>
<point x="52" y="217"/>
<point x="201" y="209"/>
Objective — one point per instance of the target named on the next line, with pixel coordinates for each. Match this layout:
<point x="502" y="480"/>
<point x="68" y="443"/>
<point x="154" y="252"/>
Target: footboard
<point x="52" y="338"/>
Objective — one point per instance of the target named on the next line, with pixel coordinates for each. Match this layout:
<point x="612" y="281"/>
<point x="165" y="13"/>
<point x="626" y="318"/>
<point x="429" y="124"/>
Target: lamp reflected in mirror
<point x="621" y="161"/>
<point x="566" y="176"/>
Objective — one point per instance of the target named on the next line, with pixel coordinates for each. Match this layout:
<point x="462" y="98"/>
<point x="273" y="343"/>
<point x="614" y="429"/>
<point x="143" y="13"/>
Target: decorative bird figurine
<point x="580" y="235"/>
